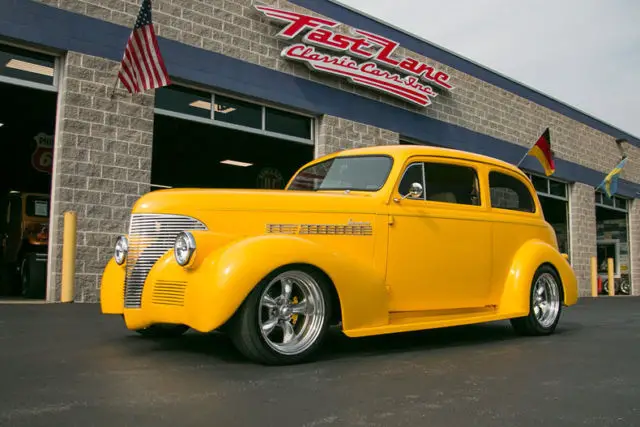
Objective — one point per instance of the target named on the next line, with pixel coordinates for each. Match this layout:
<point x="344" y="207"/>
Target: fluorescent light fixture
<point x="221" y="109"/>
<point x="1" y="124"/>
<point x="201" y="104"/>
<point x="236" y="163"/>
<point x="30" y="67"/>
<point x="207" y="106"/>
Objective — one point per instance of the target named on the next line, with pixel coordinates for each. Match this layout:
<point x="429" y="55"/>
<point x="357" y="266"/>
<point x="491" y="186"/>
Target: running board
<point x="416" y="321"/>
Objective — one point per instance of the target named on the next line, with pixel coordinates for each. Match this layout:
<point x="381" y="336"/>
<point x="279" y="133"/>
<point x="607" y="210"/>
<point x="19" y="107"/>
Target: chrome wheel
<point x="546" y="300"/>
<point x="625" y="287"/>
<point x="291" y="312"/>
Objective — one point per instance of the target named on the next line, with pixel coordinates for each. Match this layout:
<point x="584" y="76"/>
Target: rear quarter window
<point x="510" y="193"/>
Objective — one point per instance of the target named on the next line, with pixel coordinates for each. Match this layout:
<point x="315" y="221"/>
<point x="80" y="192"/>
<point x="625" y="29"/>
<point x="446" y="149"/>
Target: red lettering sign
<point x="42" y="155"/>
<point x="378" y="51"/>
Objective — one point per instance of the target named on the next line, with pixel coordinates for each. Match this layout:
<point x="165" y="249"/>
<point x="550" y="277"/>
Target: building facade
<point x="292" y="80"/>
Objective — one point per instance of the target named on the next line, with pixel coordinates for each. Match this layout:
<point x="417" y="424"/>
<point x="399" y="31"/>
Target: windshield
<point x="37" y="206"/>
<point x="358" y="173"/>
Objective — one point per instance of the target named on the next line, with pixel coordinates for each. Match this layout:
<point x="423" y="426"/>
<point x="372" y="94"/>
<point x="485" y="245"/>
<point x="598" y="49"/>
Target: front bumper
<point x="171" y="294"/>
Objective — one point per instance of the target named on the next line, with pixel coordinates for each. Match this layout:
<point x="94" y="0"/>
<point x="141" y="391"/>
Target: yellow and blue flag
<point x="610" y="182"/>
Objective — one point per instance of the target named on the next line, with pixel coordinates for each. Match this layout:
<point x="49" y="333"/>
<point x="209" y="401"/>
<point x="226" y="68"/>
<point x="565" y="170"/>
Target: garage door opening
<point x="237" y="145"/>
<point x="612" y="224"/>
<point x="27" y="124"/>
<point x="553" y="195"/>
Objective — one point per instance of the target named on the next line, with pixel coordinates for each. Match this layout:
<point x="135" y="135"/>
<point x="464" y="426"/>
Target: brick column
<point x="582" y="234"/>
<point x="335" y="134"/>
<point x="634" y="245"/>
<point x="102" y="164"/>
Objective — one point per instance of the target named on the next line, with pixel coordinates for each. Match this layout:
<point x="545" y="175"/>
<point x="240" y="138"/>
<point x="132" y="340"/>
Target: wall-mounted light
<point x="207" y="106"/>
<point x="1" y="124"/>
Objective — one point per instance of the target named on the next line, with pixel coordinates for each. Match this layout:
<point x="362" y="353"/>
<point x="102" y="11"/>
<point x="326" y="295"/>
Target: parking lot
<point x="67" y="365"/>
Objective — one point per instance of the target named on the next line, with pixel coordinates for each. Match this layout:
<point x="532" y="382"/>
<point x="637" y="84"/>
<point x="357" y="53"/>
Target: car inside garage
<point x="27" y="125"/>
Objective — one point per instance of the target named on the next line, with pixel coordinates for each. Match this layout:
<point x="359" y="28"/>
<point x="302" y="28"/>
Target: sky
<point x="585" y="53"/>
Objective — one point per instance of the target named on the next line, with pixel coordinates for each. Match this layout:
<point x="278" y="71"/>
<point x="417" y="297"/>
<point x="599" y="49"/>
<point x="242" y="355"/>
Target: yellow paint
<point x="423" y="265"/>
<point x="612" y="284"/>
<point x="68" y="257"/>
<point x="594" y="276"/>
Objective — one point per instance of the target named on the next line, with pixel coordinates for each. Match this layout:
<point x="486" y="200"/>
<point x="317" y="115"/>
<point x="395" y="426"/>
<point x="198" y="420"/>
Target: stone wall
<point x="335" y="134"/>
<point x="102" y="164"/>
<point x="634" y="246"/>
<point x="582" y="234"/>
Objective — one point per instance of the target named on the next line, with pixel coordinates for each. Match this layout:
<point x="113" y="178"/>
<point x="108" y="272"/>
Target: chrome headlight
<point x="122" y="247"/>
<point x="184" y="248"/>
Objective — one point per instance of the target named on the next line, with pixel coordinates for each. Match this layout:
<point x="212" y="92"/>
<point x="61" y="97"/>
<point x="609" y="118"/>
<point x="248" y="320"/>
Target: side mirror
<point x="415" y="191"/>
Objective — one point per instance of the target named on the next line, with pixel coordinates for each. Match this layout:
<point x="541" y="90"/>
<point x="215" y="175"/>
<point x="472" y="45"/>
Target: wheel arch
<point x="526" y="262"/>
<point x="358" y="292"/>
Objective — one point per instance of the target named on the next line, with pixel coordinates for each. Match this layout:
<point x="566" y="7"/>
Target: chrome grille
<point x="150" y="237"/>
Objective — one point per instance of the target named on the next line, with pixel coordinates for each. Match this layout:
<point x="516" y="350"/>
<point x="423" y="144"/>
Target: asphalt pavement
<point x="68" y="365"/>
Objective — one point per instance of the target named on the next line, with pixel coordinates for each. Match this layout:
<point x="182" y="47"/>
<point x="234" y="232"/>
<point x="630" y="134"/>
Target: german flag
<point x="541" y="150"/>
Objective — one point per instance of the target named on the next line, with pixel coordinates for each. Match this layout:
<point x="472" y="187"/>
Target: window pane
<point x="184" y="100"/>
<point x="539" y="183"/>
<point x="558" y="188"/>
<point x="287" y="123"/>
<point x="606" y="200"/>
<point x="25" y="65"/>
<point x="411" y="175"/>
<point x="37" y="206"/>
<point x="451" y="184"/>
<point x="508" y="192"/>
<point x="237" y="112"/>
<point x="621" y="203"/>
<point x="364" y="173"/>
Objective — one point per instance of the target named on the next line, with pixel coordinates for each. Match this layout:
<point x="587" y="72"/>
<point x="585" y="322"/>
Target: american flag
<point x="142" y="66"/>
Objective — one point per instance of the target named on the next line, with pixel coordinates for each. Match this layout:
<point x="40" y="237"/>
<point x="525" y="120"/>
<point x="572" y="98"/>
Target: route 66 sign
<point x="42" y="156"/>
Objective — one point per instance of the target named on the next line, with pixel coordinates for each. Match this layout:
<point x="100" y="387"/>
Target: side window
<point x="508" y="192"/>
<point x="451" y="184"/>
<point x="412" y="174"/>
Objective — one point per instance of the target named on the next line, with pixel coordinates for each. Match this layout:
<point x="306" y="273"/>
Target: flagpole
<point x="113" y="89"/>
<point x="522" y="159"/>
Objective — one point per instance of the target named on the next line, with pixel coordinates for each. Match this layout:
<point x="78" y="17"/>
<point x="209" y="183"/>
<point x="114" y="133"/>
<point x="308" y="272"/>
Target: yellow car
<point x="376" y="240"/>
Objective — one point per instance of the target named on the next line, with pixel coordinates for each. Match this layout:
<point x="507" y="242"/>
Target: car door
<point x="517" y="218"/>
<point x="439" y="250"/>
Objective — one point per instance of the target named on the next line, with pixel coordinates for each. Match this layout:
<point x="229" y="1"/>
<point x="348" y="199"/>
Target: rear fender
<point x="530" y="256"/>
<point x="223" y="278"/>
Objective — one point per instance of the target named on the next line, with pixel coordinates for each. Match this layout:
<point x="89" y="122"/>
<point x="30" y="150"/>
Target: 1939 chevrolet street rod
<point x="376" y="240"/>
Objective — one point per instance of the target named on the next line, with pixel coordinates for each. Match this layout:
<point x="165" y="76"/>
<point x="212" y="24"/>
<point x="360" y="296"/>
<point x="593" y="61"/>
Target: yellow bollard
<point x="612" y="284"/>
<point x="594" y="277"/>
<point x="68" y="257"/>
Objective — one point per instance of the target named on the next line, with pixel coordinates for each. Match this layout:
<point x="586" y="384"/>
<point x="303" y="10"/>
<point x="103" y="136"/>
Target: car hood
<point x="194" y="201"/>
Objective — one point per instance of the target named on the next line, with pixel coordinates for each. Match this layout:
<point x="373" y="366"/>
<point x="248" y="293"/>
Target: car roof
<point x="405" y="151"/>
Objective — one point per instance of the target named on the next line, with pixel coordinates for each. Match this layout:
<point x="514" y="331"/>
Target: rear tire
<point x="284" y="319"/>
<point x="545" y="305"/>
<point x="32" y="280"/>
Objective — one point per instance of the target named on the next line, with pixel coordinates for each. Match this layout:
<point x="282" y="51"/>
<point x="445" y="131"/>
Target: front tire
<point x="284" y="319"/>
<point x="545" y="305"/>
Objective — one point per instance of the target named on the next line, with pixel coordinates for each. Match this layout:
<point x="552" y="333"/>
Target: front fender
<point x="530" y="256"/>
<point x="112" y="288"/>
<point x="219" y="280"/>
